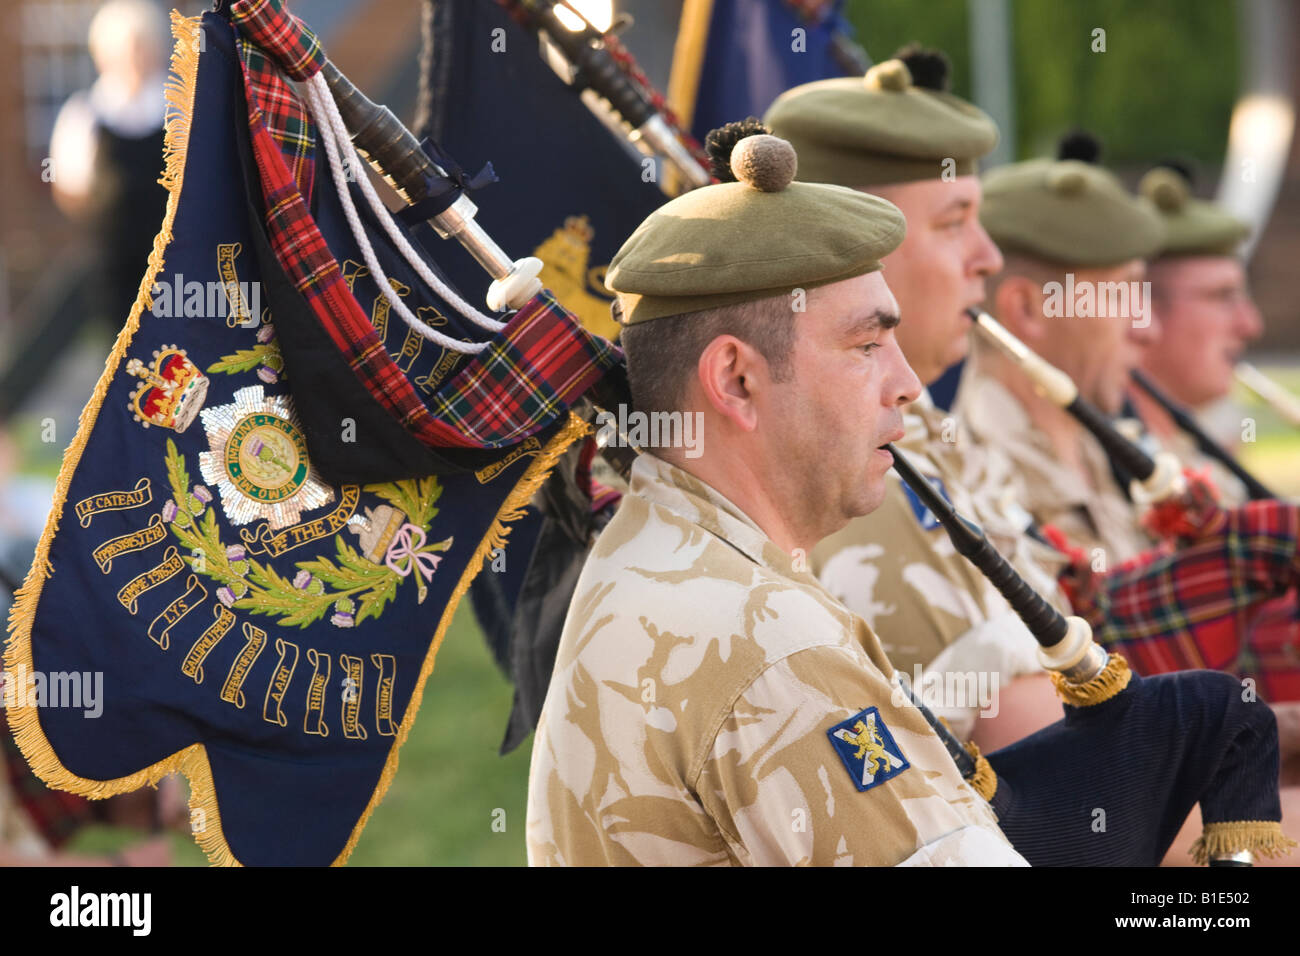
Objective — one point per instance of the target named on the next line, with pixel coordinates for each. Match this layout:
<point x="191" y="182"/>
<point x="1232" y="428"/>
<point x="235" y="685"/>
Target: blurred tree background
<point x="1158" y="53"/>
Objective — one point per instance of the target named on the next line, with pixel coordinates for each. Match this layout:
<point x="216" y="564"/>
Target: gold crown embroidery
<point x="172" y="389"/>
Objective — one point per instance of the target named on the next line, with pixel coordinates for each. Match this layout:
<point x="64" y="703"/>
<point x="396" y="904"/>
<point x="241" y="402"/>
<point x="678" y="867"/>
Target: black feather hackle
<point x="1079" y="144"/>
<point x="930" y="68"/>
<point x="721" y="141"/>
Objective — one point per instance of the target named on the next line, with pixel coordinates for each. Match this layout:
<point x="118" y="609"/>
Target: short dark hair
<point x="663" y="353"/>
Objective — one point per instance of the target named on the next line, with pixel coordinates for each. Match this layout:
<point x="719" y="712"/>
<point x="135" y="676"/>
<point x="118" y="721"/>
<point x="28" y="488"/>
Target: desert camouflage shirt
<point x="1092" y="511"/>
<point x="898" y="570"/>
<point x="711" y="704"/>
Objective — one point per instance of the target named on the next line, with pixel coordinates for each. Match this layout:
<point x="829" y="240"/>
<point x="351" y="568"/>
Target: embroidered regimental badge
<point x="258" y="460"/>
<point x="868" y="749"/>
<point x="923" y="514"/>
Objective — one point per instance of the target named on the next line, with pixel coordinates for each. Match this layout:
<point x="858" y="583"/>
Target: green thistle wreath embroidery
<point x="354" y="586"/>
<point x="264" y="356"/>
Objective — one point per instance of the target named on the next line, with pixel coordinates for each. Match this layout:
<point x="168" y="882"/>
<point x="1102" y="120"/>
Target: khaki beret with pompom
<point x="880" y="129"/>
<point x="756" y="238"/>
<point x="1193" y="227"/>
<point x="1068" y="212"/>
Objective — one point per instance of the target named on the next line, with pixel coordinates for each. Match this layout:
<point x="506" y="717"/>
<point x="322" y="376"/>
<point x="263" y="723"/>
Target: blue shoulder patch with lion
<point x="868" y="749"/>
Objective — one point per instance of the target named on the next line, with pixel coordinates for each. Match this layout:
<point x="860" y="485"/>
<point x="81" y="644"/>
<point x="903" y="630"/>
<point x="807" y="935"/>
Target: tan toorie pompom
<point x="888" y="76"/>
<point x="767" y="163"/>
<point x="1165" y="188"/>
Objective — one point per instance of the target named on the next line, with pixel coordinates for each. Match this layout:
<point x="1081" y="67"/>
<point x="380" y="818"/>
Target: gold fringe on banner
<point x="205" y="814"/>
<point x="1264" y="837"/>
<point x="1101" y="688"/>
<point x="24" y="720"/>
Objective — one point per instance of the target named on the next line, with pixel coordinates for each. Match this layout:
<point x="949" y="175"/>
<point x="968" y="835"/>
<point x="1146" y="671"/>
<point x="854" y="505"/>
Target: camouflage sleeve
<point x="818" y="763"/>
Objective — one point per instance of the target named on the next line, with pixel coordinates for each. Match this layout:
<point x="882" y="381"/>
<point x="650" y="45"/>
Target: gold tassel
<point x="1262" y="837"/>
<point x="984" y="780"/>
<point x="192" y="761"/>
<point x="1101" y="688"/>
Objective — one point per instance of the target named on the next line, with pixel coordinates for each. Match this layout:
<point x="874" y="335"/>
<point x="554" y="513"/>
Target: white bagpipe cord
<point x="333" y="134"/>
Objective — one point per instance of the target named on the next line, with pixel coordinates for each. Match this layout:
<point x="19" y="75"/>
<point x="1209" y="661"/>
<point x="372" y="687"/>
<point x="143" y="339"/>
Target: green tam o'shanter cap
<point x="882" y="128"/>
<point x="756" y="238"/>
<point x="1193" y="227"/>
<point x="1068" y="211"/>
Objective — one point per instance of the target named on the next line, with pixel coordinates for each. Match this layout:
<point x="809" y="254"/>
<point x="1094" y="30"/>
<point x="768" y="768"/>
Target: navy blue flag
<point x="569" y="192"/>
<point x="204" y="599"/>
<point x="758" y="49"/>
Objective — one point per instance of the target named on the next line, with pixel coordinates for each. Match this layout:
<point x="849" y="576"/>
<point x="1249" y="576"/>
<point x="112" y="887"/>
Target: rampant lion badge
<point x="868" y="749"/>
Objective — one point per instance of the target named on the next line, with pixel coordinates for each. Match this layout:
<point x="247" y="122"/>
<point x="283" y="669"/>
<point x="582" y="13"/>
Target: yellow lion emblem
<point x="870" y="747"/>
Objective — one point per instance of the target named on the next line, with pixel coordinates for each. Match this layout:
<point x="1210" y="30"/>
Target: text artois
<point x="240" y="303"/>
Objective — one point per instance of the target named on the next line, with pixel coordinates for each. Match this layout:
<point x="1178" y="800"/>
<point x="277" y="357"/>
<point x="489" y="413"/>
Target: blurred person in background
<point x="1202" y="293"/>
<point x="107" y="148"/>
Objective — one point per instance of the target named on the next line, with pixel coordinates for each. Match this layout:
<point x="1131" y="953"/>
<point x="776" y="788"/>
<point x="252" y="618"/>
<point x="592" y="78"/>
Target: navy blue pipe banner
<point x="569" y="192"/>
<point x="257" y="628"/>
<point x="752" y="55"/>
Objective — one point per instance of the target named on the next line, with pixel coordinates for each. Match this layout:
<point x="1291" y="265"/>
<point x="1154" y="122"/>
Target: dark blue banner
<point x="204" y="599"/>
<point x="758" y="49"/>
<point x="569" y="191"/>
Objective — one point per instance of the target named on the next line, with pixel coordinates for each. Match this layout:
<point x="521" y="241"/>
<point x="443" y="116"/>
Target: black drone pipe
<point x="1208" y="446"/>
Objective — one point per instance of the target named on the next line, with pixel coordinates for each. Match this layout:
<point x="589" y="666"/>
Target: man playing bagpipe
<point x="1207" y="316"/>
<point x="711" y="704"/>
<point x="903" y="140"/>
<point x="1073" y="289"/>
<point x="1074" y="243"/>
<point x="918" y="147"/>
<point x="697" y="639"/>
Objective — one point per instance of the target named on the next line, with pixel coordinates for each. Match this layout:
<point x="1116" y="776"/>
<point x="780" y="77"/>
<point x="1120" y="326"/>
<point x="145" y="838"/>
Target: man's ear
<point x="726" y="376"/>
<point x="1018" y="304"/>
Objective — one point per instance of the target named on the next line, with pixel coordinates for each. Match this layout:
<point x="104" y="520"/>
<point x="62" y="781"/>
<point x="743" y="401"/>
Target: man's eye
<point x="952" y="224"/>
<point x="870" y="347"/>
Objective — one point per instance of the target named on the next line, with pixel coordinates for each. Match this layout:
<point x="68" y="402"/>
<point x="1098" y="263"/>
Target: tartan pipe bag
<point x="263" y="624"/>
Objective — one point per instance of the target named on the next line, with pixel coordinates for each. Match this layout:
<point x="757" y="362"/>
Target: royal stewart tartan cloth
<point x="275" y="102"/>
<point x="258" y="625"/>
<point x="540" y="364"/>
<point x="1206" y="601"/>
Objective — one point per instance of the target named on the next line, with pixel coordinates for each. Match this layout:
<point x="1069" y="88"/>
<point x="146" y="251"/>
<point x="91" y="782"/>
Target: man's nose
<point x="1145" y="330"/>
<point x="987" y="257"/>
<point x="904" y="385"/>
<point x="1249" y="323"/>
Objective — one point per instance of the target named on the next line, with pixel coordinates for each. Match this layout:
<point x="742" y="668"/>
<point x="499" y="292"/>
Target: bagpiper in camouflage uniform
<point x="897" y="569"/>
<point x="1206" y="313"/>
<point x="710" y="703"/>
<point x="1074" y="241"/>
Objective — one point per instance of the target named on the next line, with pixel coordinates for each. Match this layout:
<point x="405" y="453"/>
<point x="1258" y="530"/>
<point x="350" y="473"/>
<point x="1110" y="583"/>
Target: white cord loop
<point x="333" y="133"/>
